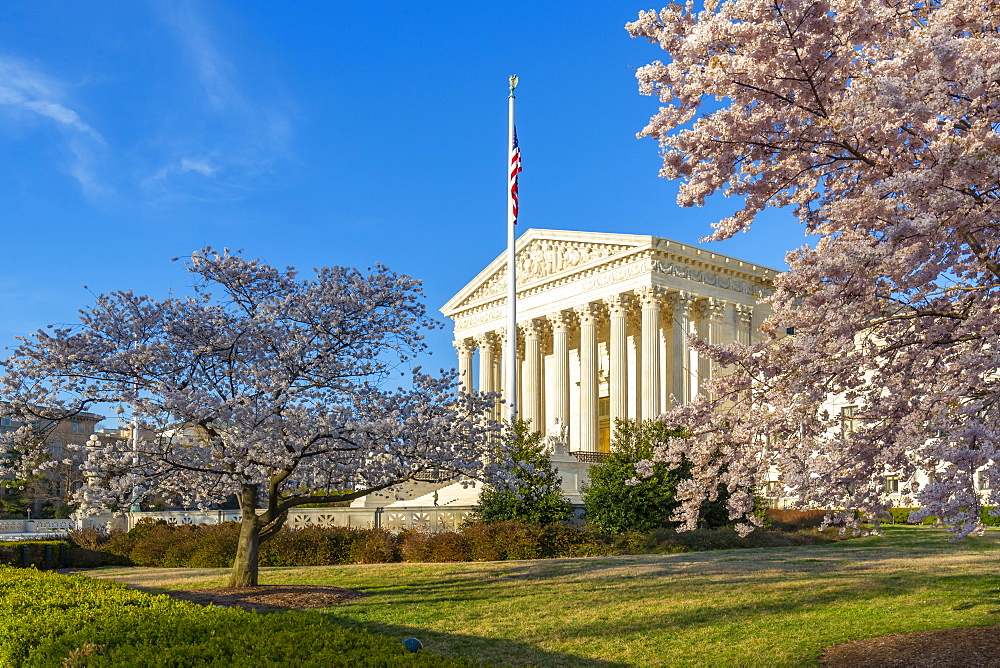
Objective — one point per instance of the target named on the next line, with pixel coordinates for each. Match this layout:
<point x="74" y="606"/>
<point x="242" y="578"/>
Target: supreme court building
<point x="602" y="322"/>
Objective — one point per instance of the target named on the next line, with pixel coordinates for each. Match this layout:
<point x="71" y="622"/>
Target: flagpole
<point x="510" y="354"/>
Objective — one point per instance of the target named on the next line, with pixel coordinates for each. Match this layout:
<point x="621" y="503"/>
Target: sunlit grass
<point x="769" y="606"/>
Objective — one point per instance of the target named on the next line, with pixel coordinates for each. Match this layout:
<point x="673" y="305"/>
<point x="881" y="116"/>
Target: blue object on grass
<point x="412" y="644"/>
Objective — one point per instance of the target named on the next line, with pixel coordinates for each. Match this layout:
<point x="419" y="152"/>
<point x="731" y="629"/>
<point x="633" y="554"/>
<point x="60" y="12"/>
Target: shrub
<point x="534" y="494"/>
<point x="447" y="546"/>
<point x="793" y="520"/>
<point x="568" y="540"/>
<point x="374" y="546"/>
<point x="614" y="506"/>
<point x="87" y="548"/>
<point x="214" y="546"/>
<point x="40" y="553"/>
<point x="989" y="520"/>
<point x="58" y="620"/>
<point x="413" y="545"/>
<point x="311" y="546"/>
<point x="123" y="544"/>
<point x="498" y="541"/>
<point x="902" y="516"/>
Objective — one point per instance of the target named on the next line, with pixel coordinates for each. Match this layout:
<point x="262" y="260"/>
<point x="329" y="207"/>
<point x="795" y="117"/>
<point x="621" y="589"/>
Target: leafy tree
<point x="269" y="390"/>
<point x="875" y="123"/>
<point x="617" y="501"/>
<point x="531" y="490"/>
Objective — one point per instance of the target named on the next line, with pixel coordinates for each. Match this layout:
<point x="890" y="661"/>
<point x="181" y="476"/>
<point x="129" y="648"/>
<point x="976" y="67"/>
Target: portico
<point x="603" y="321"/>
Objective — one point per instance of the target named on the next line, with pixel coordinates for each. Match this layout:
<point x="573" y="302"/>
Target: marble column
<point x="465" y="350"/>
<point x="713" y="312"/>
<point x="487" y="348"/>
<point x="649" y="300"/>
<point x="531" y="401"/>
<point x="500" y="366"/>
<point x="681" y="381"/>
<point x="588" y="316"/>
<point x="618" y="310"/>
<point x="562" y="324"/>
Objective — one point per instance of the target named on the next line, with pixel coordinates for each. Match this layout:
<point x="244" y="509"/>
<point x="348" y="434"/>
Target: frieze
<point x="709" y="278"/>
<point x="468" y="321"/>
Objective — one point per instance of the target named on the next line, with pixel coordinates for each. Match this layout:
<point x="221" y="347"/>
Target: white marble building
<point x="602" y="320"/>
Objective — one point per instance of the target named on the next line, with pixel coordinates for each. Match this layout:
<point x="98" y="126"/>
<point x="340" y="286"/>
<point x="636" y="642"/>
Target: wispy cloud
<point x="213" y="70"/>
<point x="236" y="133"/>
<point x="30" y="95"/>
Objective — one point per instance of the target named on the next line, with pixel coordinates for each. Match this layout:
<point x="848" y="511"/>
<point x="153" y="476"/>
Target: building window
<point x="982" y="482"/>
<point x="848" y="423"/>
<point x="892" y="484"/>
<point x="76" y="428"/>
<point x="6" y="422"/>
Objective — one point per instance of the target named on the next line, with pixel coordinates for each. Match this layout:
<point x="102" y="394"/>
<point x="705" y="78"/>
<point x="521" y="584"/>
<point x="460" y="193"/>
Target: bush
<point x="58" y="620"/>
<point x="413" y="545"/>
<point x="498" y="541"/>
<point x="989" y="520"/>
<point x="373" y="546"/>
<point x="614" y="506"/>
<point x="793" y="520"/>
<point x="214" y="546"/>
<point x="902" y="516"/>
<point x="534" y="494"/>
<point x="568" y="540"/>
<point x="87" y="548"/>
<point x="40" y="553"/>
<point x="448" y="546"/>
<point x="311" y="546"/>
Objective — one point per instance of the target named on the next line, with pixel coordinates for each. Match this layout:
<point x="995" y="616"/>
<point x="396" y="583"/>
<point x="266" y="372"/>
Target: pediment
<point x="543" y="256"/>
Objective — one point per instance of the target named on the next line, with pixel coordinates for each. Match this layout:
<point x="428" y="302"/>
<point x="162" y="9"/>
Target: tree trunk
<point x="244" y="573"/>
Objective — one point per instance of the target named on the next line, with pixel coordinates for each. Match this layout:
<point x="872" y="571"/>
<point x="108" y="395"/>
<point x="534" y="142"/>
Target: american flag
<point x="515" y="169"/>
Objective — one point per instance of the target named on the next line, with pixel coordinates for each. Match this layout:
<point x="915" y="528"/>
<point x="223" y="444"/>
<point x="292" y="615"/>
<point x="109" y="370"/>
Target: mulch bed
<point x="947" y="648"/>
<point x="269" y="598"/>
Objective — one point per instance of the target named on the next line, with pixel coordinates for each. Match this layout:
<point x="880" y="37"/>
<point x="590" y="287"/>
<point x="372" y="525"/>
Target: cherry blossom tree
<point x="875" y="123"/>
<point x="261" y="385"/>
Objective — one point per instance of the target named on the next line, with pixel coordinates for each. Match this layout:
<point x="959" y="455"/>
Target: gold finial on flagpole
<point x="513" y="84"/>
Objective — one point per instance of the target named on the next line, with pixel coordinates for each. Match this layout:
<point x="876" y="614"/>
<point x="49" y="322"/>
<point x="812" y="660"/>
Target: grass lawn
<point x="773" y="606"/>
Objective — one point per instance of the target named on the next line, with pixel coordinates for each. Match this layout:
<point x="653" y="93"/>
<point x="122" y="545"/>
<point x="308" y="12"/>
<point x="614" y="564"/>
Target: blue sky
<point x="317" y="133"/>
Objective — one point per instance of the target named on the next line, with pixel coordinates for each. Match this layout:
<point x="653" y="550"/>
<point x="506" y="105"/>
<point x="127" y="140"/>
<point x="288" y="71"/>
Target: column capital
<point x="682" y="303"/>
<point x="618" y="306"/>
<point x="588" y="314"/>
<point x="562" y="321"/>
<point x="649" y="296"/>
<point x="714" y="309"/>
<point x="465" y="346"/>
<point x="487" y="340"/>
<point x="744" y="314"/>
<point x="532" y="329"/>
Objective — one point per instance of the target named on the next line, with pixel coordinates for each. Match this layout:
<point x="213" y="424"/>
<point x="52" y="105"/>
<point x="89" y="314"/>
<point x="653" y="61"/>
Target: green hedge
<point x="167" y="545"/>
<point x="58" y="620"/>
<point x="37" y="553"/>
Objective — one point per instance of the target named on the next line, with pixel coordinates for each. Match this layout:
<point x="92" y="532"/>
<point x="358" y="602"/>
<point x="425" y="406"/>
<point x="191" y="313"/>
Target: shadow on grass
<point x="493" y="651"/>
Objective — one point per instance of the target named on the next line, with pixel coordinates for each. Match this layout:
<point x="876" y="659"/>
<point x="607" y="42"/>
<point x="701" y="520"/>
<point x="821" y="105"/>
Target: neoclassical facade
<point x="603" y="322"/>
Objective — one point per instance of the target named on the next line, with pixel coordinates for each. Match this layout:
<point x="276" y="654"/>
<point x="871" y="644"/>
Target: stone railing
<point x="428" y="518"/>
<point x="39" y="527"/>
<point x="589" y="457"/>
<point x="431" y="518"/>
